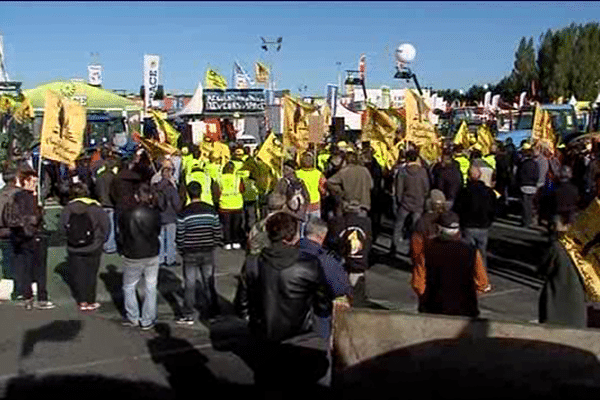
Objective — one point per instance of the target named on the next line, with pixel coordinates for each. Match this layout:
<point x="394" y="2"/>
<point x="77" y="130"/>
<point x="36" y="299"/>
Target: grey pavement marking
<point x="106" y="361"/>
<point x="501" y="293"/>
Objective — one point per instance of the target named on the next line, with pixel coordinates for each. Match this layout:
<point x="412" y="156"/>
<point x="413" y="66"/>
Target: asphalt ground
<point x="84" y="353"/>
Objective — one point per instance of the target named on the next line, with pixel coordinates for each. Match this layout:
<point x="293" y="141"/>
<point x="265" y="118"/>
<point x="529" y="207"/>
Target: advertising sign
<point x="151" y="78"/>
<point x="234" y="100"/>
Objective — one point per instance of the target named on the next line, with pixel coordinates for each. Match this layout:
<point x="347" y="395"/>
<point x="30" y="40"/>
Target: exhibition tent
<point x="91" y="97"/>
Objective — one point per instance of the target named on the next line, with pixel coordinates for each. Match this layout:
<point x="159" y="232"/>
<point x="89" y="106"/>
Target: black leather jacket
<point x="282" y="291"/>
<point x="139" y="229"/>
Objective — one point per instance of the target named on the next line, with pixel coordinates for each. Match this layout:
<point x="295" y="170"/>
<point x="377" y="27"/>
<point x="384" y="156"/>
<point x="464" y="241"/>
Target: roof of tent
<point x="91" y="97"/>
<point x="195" y="106"/>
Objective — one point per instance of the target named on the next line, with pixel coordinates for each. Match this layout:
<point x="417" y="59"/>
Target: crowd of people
<point x="308" y="236"/>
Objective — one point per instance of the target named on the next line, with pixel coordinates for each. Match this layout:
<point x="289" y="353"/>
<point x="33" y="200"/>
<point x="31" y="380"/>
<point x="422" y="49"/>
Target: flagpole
<point x="39" y="172"/>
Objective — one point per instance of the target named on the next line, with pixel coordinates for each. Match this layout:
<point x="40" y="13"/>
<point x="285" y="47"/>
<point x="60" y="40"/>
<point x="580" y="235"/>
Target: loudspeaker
<point x="337" y="128"/>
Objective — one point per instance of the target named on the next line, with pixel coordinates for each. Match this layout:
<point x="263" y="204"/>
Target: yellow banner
<point x="261" y="72"/>
<point x="295" y="124"/>
<point x="62" y="129"/>
<point x="271" y="153"/>
<point x="536" y="129"/>
<point x="214" y="80"/>
<point x="165" y="128"/>
<point x="385" y="157"/>
<point x="418" y="128"/>
<point x="581" y="235"/>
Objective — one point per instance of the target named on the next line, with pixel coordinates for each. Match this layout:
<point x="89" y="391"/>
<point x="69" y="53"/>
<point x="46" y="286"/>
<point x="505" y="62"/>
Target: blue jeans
<point x="133" y="271"/>
<point x="199" y="267"/>
<point x="110" y="246"/>
<point x="168" y="251"/>
<point x="478" y="237"/>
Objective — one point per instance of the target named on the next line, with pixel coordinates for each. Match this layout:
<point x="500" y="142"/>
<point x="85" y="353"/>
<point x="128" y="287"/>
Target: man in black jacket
<point x="476" y="207"/>
<point x="447" y="176"/>
<point x="284" y="289"/>
<point x="285" y="292"/>
<point x="528" y="174"/>
<point x="139" y="229"/>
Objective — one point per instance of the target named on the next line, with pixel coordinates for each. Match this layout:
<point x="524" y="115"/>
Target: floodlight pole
<point x="407" y="74"/>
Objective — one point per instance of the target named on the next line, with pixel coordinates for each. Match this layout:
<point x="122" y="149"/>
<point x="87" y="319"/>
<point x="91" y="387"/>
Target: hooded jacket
<point x="412" y="187"/>
<point x="123" y="187"/>
<point x="285" y="291"/>
<point x="99" y="219"/>
<point x="139" y="228"/>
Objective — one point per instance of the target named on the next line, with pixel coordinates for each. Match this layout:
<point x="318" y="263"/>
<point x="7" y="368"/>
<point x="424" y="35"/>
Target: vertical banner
<point x="62" y="129"/>
<point x="151" y="78"/>
<point x="95" y="75"/>
<point x="332" y="93"/>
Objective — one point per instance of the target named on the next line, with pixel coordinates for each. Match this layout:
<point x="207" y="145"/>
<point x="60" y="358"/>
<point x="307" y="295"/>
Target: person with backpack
<point x="294" y="189"/>
<point x="87" y="227"/>
<point x="168" y="203"/>
<point x="6" y="195"/>
<point x="29" y="243"/>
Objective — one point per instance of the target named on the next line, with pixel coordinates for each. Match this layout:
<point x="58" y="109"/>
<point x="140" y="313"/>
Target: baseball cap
<point x="449" y="220"/>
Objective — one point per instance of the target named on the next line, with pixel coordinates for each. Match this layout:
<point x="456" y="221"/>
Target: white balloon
<point x="405" y="53"/>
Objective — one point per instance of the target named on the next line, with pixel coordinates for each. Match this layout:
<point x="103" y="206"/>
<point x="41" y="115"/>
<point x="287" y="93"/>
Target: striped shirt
<point x="198" y="228"/>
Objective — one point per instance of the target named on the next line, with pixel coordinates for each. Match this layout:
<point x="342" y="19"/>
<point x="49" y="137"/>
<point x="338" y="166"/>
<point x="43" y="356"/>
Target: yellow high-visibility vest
<point x="237" y="165"/>
<point x="213" y="170"/>
<point x="205" y="181"/>
<point x="464" y="164"/>
<point x="231" y="197"/>
<point x="186" y="162"/>
<point x="322" y="161"/>
<point x="490" y="159"/>
<point x="311" y="178"/>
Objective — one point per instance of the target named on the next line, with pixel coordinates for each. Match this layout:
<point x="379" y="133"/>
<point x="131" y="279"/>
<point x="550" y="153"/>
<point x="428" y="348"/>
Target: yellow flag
<point x="462" y="136"/>
<point x="271" y="152"/>
<point x="7" y="103"/>
<point x="62" y="129"/>
<point x="379" y="126"/>
<point x="156" y="148"/>
<point x="385" y="156"/>
<point x="24" y="111"/>
<point x="214" y="80"/>
<point x="168" y="131"/>
<point x="485" y="139"/>
<point x="541" y="131"/>
<point x="418" y="128"/>
<point x="295" y="124"/>
<point x="261" y="72"/>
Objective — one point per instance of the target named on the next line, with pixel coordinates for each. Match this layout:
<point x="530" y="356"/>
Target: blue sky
<point x="458" y="44"/>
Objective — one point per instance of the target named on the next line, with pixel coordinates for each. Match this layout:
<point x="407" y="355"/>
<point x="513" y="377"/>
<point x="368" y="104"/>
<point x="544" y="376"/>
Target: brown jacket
<point x="353" y="182"/>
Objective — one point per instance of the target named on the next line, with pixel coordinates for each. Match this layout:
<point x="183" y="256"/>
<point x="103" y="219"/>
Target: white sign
<point x="198" y="131"/>
<point x="151" y="78"/>
<point x="95" y="75"/>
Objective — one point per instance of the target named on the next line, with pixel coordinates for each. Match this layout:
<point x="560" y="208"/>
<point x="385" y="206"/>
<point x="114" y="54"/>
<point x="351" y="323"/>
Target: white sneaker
<point x="227" y="247"/>
<point x="237" y="246"/>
